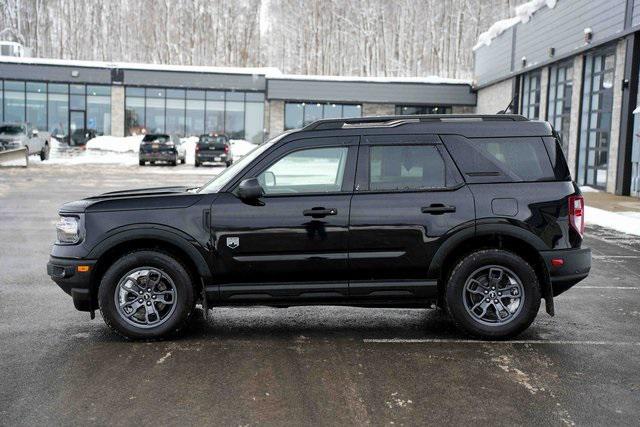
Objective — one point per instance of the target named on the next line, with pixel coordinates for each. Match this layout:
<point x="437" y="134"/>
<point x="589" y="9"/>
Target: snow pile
<point x="115" y="144"/>
<point x="625" y="222"/>
<point x="523" y="13"/>
<point x="240" y="147"/>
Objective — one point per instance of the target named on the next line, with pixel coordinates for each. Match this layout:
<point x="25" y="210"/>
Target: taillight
<point x="576" y="213"/>
<point x="226" y="149"/>
<point x="197" y="147"/>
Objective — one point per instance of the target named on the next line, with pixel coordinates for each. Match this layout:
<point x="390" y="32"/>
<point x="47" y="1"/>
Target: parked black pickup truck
<point x="475" y="214"/>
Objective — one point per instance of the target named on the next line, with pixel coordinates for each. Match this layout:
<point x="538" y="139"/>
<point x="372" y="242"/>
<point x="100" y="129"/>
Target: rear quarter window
<point x="518" y="159"/>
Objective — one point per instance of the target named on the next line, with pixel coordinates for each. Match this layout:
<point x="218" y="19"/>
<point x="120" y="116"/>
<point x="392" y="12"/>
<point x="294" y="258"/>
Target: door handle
<point x="437" y="209"/>
<point x="319" y="212"/>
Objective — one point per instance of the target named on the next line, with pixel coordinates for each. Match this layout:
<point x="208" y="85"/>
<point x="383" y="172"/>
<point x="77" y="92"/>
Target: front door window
<point x="317" y="170"/>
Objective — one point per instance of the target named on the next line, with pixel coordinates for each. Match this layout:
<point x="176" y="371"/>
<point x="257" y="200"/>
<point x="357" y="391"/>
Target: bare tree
<point x="343" y="37"/>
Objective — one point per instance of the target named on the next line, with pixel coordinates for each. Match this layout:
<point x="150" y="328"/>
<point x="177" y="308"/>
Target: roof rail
<point x="392" y="121"/>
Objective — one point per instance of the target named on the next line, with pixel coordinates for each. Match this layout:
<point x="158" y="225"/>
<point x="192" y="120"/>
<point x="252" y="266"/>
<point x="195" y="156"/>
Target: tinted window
<point x="317" y="170"/>
<point x="155" y="138"/>
<point x="406" y="167"/>
<point x="501" y="159"/>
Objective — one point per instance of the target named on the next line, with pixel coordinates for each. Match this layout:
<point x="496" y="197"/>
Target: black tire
<point x="183" y="161"/>
<point x="152" y="162"/>
<point x="44" y="153"/>
<point x="229" y="163"/>
<point x="142" y="162"/>
<point x="184" y="300"/>
<point x="197" y="164"/>
<point x="465" y="269"/>
<point x="173" y="162"/>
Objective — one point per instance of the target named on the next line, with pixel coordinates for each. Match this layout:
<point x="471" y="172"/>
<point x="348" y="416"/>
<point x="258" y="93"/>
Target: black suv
<point x="475" y="214"/>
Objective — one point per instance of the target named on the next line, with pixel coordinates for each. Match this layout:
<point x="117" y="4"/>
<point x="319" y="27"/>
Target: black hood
<point x="141" y="198"/>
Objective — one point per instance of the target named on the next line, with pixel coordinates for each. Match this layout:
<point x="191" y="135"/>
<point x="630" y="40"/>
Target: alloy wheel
<point x="145" y="297"/>
<point x="493" y="295"/>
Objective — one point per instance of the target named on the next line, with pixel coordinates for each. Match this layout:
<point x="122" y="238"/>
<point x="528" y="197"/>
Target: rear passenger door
<point x="409" y="196"/>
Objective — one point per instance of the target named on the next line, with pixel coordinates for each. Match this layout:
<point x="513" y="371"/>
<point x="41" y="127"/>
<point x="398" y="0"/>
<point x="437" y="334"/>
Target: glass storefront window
<point x="254" y="122"/>
<point x="175" y="116"/>
<point x="134" y="115"/>
<point x="559" y="102"/>
<point x="37" y="105"/>
<point x="421" y="109"/>
<point x="14" y="101"/>
<point x="214" y="121"/>
<point x="47" y="106"/>
<point x="595" y="123"/>
<point x="530" y="95"/>
<point x="99" y="114"/>
<point x="299" y="114"/>
<point x="234" y="115"/>
<point x="312" y="112"/>
<point x="293" y="115"/>
<point x="195" y="112"/>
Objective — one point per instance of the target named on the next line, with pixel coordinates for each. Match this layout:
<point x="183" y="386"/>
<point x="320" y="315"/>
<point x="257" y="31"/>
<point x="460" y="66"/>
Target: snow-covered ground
<point x="625" y="222"/>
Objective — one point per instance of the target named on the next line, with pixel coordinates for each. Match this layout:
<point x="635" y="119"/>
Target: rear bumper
<point x="203" y="156"/>
<point x="64" y="271"/>
<point x="159" y="156"/>
<point x="576" y="266"/>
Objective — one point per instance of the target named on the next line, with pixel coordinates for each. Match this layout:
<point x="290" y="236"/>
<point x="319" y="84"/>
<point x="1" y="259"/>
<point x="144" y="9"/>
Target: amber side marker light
<point x="83" y="268"/>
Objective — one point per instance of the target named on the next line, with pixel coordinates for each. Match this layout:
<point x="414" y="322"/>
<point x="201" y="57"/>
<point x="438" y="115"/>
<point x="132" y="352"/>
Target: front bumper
<point x="575" y="267"/>
<point x="64" y="271"/>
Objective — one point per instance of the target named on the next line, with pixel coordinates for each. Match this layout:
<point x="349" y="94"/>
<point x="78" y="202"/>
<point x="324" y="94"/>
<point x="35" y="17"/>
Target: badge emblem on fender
<point x="233" y="242"/>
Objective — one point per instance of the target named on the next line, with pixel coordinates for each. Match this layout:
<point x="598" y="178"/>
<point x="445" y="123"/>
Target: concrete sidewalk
<point x="611" y="202"/>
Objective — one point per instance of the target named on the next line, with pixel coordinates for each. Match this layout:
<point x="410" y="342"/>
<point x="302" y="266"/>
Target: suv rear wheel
<point x="493" y="293"/>
<point x="146" y="295"/>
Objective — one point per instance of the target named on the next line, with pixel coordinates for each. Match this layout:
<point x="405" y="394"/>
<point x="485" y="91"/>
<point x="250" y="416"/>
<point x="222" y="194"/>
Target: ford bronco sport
<point x="474" y="214"/>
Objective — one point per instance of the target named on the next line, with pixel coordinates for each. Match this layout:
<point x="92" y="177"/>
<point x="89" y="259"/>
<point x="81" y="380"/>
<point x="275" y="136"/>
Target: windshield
<point x="11" y="130"/>
<point x="229" y="173"/>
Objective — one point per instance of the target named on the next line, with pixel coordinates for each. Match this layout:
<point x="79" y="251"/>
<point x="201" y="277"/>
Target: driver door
<point x="291" y="243"/>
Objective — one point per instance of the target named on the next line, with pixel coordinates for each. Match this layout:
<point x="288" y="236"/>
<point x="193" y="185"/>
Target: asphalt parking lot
<point x="315" y="365"/>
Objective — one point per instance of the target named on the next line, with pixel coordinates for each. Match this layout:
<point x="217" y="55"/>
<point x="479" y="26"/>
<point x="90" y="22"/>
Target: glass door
<point x="76" y="127"/>
<point x="595" y="126"/>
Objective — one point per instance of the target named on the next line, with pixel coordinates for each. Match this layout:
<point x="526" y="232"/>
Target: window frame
<point x="363" y="177"/>
<point x="279" y="152"/>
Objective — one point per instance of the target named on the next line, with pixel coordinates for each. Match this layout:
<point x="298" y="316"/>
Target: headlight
<point x="68" y="229"/>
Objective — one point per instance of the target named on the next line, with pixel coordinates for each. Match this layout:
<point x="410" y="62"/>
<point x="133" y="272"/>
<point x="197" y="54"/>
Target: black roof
<point x="468" y="125"/>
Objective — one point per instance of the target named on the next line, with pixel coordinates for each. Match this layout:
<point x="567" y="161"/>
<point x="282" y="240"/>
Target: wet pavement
<point x="312" y="365"/>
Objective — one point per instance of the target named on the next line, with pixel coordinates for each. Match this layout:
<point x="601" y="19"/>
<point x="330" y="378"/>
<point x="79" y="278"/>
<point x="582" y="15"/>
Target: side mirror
<point x="34" y="132"/>
<point x="250" y="189"/>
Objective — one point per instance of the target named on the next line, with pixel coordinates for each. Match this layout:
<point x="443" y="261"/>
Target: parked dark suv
<point x="475" y="214"/>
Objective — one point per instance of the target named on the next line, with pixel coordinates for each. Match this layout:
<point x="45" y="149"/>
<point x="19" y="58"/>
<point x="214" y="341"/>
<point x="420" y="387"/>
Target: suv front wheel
<point x="146" y="295"/>
<point x="493" y="293"/>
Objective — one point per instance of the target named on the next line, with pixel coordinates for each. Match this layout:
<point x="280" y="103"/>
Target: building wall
<point x="612" y="173"/>
<point x="275" y="118"/>
<point x="117" y="110"/>
<point x="494" y="98"/>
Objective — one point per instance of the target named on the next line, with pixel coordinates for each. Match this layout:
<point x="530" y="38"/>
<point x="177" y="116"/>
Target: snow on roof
<point x="523" y="14"/>
<point x="427" y="79"/>
<point x="139" y="66"/>
<point x="268" y="72"/>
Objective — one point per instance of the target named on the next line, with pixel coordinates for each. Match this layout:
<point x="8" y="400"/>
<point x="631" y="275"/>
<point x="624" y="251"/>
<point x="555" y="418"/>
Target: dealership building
<point x="121" y="99"/>
<point x="575" y="64"/>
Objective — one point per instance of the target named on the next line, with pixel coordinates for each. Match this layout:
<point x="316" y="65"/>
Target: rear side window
<point x="406" y="167"/>
<point x="501" y="159"/>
